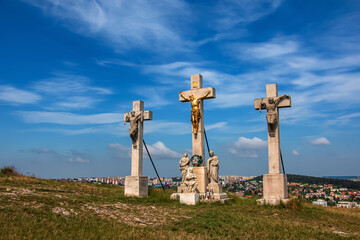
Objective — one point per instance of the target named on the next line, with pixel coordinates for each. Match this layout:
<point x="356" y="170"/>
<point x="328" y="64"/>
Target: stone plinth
<point x="201" y="178"/>
<point x="275" y="189"/>
<point x="215" y="187"/>
<point x="136" y="186"/>
<point x="189" y="198"/>
<point x="220" y="196"/>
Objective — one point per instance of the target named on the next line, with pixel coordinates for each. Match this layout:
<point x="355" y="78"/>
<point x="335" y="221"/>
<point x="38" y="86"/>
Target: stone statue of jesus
<point x="134" y="119"/>
<point x="195" y="109"/>
<point x="271" y="115"/>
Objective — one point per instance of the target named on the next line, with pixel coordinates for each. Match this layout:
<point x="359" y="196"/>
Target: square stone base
<point x="272" y="202"/>
<point x="275" y="189"/>
<point x="136" y="186"/>
<point x="201" y="178"/>
<point x="218" y="196"/>
<point x="189" y="198"/>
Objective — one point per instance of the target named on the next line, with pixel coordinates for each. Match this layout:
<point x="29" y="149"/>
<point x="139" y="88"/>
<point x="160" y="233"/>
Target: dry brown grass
<point x="32" y="208"/>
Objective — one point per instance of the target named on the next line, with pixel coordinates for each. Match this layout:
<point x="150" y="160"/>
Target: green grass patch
<point x="32" y="208"/>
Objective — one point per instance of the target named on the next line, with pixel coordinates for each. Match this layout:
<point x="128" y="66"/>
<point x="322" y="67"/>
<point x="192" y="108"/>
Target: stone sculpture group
<point x="200" y="181"/>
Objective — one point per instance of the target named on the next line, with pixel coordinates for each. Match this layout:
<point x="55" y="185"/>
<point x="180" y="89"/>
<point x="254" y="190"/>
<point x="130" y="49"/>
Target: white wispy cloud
<point x="12" y="95"/>
<point x="167" y="127"/>
<point x="122" y="24"/>
<point x="159" y="150"/>
<point x="248" y="147"/>
<point x="101" y="123"/>
<point x="215" y="125"/>
<point x="72" y="156"/>
<point x="120" y="151"/>
<point x="320" y="141"/>
<point x="75" y="156"/>
<point x="231" y="90"/>
<point x="276" y="47"/>
<point x="67" y="83"/>
<point x="76" y="102"/>
<point x="251" y="143"/>
<point x="294" y="152"/>
<point x="156" y="26"/>
<point x="67" y="91"/>
<point x="155" y="97"/>
<point x="41" y="150"/>
<point x="344" y="119"/>
<point x="78" y="160"/>
<point x="234" y="12"/>
<point x="66" y="118"/>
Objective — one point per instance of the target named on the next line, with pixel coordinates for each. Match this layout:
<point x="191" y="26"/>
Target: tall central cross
<point x="196" y="96"/>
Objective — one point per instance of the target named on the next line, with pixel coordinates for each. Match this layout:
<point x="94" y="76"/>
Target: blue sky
<point x="70" y="69"/>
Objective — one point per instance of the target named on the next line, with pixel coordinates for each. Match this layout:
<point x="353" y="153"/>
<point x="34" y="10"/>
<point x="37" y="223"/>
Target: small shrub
<point x="9" y="171"/>
<point x="293" y="204"/>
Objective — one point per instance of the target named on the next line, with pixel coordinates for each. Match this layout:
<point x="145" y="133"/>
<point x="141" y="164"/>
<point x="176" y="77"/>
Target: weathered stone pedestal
<point x="217" y="192"/>
<point x="275" y="189"/>
<point x="201" y="178"/>
<point x="136" y="186"/>
<point x="189" y="198"/>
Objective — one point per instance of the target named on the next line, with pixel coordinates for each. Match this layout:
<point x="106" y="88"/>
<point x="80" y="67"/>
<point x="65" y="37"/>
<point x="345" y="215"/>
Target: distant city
<point x="155" y="182"/>
<point x="251" y="186"/>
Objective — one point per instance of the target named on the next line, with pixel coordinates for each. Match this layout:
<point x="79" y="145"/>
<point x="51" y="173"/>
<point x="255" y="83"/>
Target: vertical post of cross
<point x="198" y="145"/>
<point x="274" y="138"/>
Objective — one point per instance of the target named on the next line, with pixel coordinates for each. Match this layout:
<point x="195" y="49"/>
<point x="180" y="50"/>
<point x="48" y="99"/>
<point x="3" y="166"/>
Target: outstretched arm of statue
<point x="262" y="104"/>
<point x="126" y="117"/>
<point x="207" y="93"/>
<point x="281" y="98"/>
<point x="181" y="94"/>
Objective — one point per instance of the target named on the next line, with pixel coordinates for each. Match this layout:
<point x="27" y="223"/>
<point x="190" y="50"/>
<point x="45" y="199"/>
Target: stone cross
<point x="275" y="188"/>
<point x="198" y="93"/>
<point x="136" y="126"/>
<point x="272" y="103"/>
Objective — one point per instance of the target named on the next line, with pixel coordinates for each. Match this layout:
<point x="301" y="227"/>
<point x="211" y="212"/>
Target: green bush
<point x="8" y="171"/>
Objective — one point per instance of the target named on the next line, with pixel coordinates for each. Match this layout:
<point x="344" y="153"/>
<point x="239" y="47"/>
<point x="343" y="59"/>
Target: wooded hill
<point x="319" y="181"/>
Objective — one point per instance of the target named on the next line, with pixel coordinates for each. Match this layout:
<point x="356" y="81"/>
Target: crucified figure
<point x="134" y="119"/>
<point x="195" y="109"/>
<point x="271" y="115"/>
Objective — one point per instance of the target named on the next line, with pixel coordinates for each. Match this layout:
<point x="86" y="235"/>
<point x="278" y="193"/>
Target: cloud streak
<point x="122" y="24"/>
<point x="159" y="150"/>
<point x="320" y="141"/>
<point x="17" y="96"/>
<point x="65" y="118"/>
<point x="248" y="147"/>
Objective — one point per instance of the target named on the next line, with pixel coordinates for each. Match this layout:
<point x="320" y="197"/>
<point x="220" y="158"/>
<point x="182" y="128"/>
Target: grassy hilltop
<point x="32" y="208"/>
